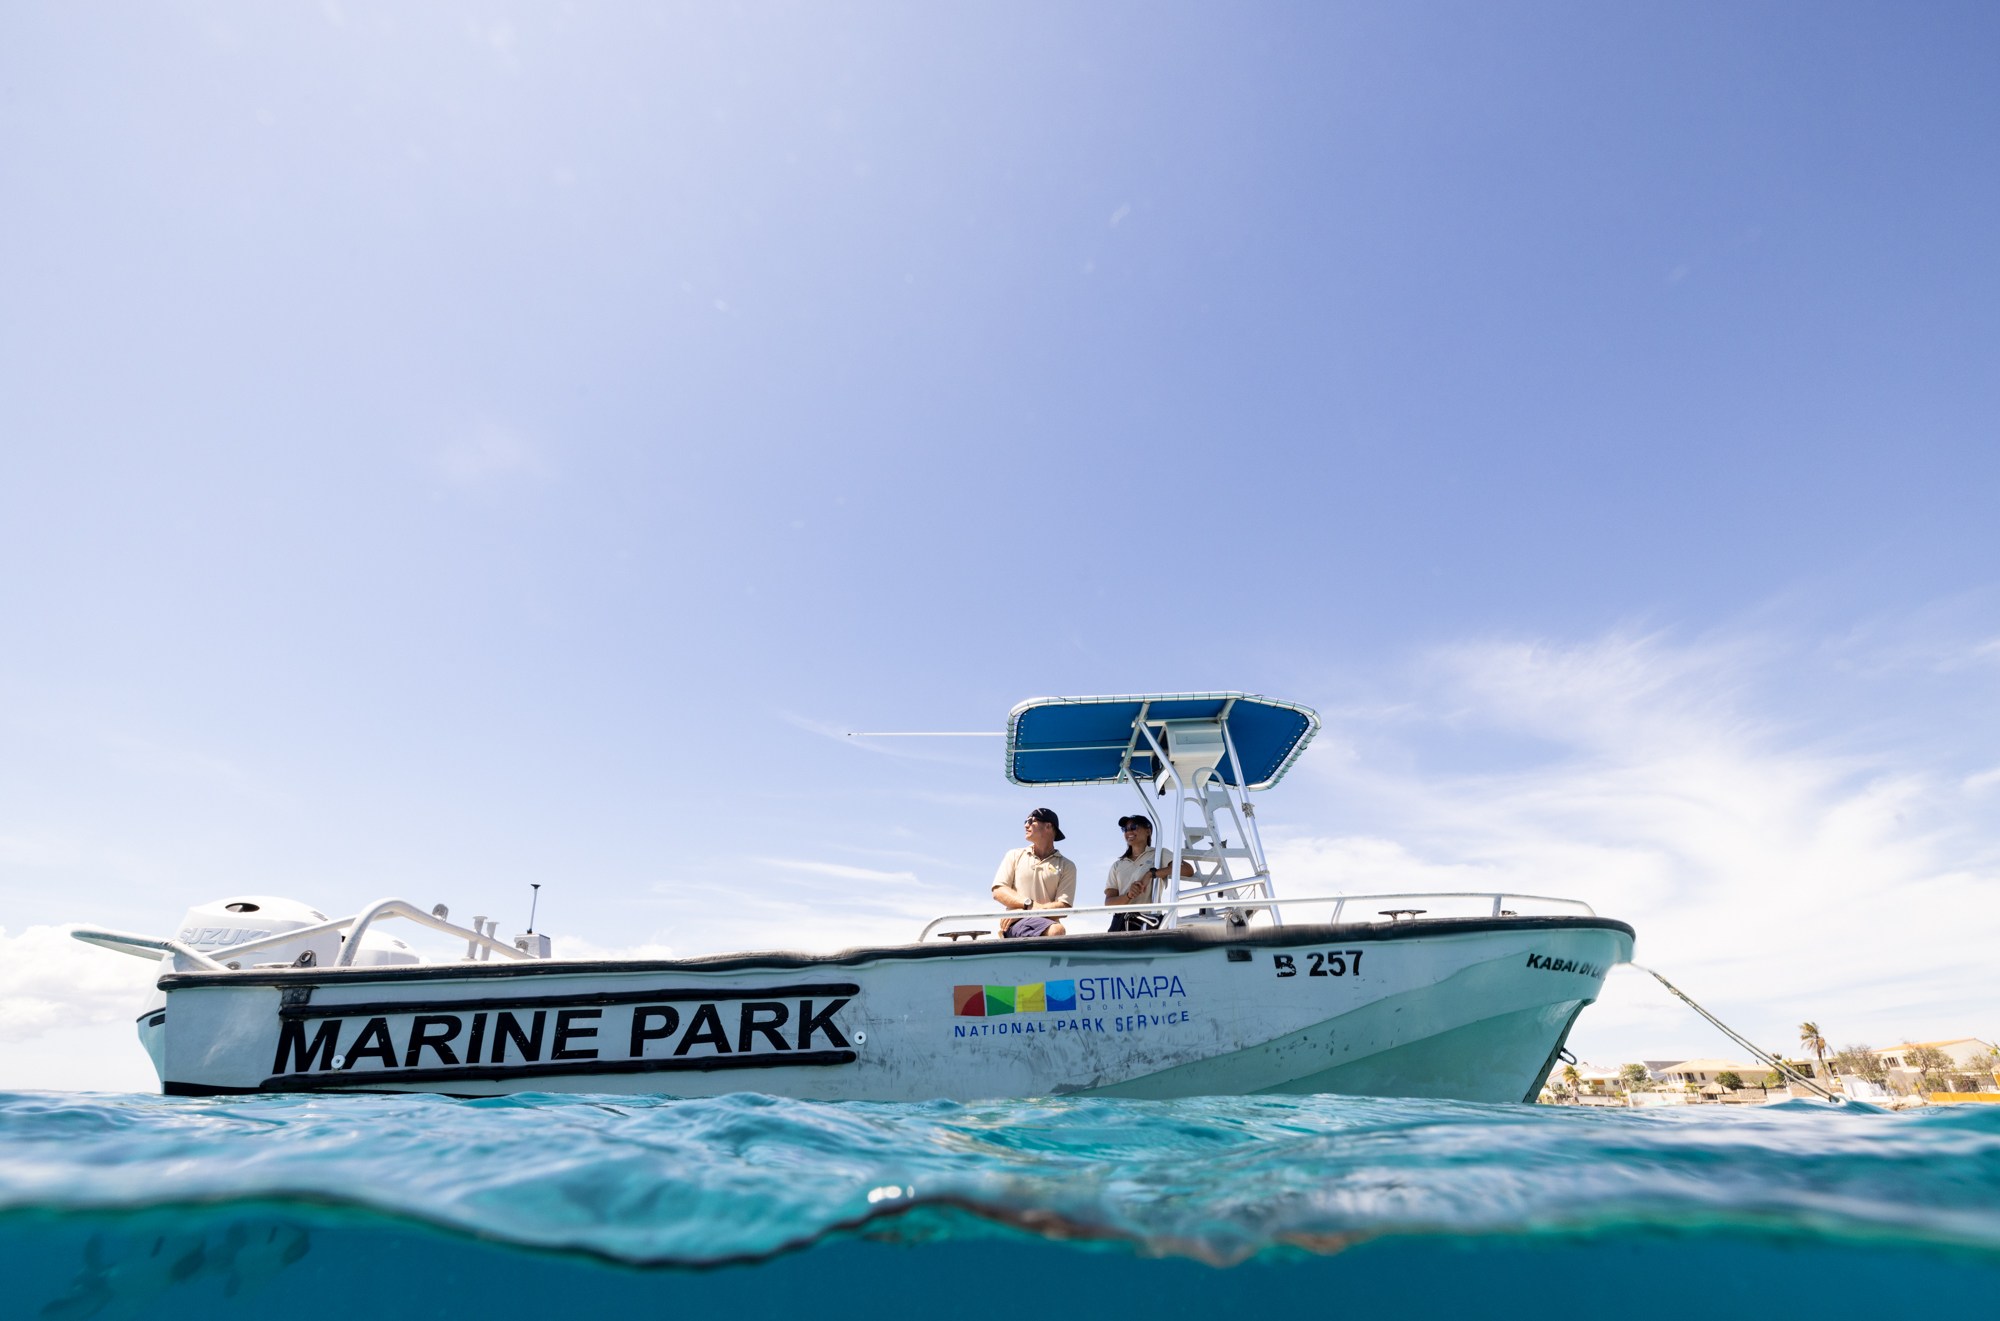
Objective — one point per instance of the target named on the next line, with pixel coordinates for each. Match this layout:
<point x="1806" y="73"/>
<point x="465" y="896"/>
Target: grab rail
<point x="400" y="908"/>
<point x="1499" y="899"/>
<point x="1498" y="908"/>
<point x="143" y="947"/>
<point x="360" y="922"/>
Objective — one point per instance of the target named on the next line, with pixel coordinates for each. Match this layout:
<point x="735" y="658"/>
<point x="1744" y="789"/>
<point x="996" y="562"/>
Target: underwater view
<point x="128" y="1206"/>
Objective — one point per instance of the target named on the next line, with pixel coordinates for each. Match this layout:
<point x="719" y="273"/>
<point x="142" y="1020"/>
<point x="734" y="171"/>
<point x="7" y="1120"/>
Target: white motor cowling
<point x="216" y="926"/>
<point x="379" y="949"/>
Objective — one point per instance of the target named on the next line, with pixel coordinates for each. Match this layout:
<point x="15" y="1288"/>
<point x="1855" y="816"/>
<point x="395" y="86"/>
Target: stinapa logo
<point x="1031" y="998"/>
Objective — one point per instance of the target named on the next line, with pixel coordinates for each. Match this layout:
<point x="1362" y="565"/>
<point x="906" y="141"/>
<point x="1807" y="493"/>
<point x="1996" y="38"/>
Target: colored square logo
<point x="969" y="1001"/>
<point x="1028" y="999"/>
<point x="999" y="1000"/>
<point x="1061" y="996"/>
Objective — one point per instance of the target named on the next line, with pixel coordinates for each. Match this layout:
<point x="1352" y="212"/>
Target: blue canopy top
<point x="1082" y="740"/>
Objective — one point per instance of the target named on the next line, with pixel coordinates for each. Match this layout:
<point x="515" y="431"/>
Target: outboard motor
<point x="379" y="949"/>
<point x="216" y="926"/>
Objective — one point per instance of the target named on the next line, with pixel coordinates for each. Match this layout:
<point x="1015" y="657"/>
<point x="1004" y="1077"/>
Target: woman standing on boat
<point x="1134" y="872"/>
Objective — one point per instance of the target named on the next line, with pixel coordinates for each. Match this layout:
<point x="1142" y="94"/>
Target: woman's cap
<point x="1128" y="822"/>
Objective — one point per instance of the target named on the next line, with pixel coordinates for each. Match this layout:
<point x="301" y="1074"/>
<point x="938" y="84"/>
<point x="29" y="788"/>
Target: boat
<point x="1238" y="990"/>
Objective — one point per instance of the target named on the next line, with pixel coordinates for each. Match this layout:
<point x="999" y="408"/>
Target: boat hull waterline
<point x="1472" y="1009"/>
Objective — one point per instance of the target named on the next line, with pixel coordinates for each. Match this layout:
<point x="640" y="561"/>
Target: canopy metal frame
<point x="1223" y="812"/>
<point x="1181" y="745"/>
<point x="1282" y="730"/>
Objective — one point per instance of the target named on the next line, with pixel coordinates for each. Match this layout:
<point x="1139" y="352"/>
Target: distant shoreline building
<point x="1971" y="1073"/>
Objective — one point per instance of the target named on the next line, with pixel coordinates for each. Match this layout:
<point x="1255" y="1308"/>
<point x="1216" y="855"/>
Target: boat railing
<point x="1220" y="890"/>
<point x="1494" y="904"/>
<point x="1217" y="903"/>
<point x="476" y="941"/>
<point x="145" y="947"/>
<point x="229" y="958"/>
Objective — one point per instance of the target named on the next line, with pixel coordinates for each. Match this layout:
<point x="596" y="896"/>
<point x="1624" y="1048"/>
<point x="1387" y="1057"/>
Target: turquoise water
<point x="131" y="1206"/>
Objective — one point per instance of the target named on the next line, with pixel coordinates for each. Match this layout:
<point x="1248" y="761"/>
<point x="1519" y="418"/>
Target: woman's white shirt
<point x="1126" y="872"/>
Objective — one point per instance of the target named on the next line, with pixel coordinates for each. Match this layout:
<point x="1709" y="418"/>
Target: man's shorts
<point x="1023" y="927"/>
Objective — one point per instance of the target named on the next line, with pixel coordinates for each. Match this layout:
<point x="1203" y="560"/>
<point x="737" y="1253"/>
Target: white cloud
<point x="841" y="870"/>
<point x="781" y="909"/>
<point x="1980" y="783"/>
<point x="1598" y="694"/>
<point x="1775" y="869"/>
<point x="903" y="855"/>
<point x="50" y="981"/>
<point x="576" y="947"/>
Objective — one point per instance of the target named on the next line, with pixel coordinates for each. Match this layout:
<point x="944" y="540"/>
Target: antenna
<point x="536" y="886"/>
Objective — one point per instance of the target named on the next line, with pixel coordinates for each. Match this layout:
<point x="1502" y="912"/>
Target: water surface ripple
<point x="743" y="1178"/>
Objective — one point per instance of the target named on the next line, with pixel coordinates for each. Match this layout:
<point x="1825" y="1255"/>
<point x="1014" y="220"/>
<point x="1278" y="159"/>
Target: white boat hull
<point x="1471" y="1009"/>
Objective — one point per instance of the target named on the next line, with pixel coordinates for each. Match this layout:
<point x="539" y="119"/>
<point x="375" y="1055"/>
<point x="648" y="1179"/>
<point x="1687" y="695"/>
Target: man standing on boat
<point x="1036" y="878"/>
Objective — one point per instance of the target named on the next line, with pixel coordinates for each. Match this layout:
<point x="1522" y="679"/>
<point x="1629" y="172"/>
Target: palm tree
<point x="1572" y="1079"/>
<point x="1810" y="1038"/>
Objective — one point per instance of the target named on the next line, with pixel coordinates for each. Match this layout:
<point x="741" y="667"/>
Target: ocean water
<point x="754" y="1206"/>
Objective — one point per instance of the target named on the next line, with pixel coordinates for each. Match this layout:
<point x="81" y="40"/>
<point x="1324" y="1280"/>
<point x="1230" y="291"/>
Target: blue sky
<point x="446" y="450"/>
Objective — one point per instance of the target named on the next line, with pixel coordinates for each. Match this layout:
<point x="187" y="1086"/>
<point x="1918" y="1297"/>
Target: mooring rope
<point x="1776" y="1065"/>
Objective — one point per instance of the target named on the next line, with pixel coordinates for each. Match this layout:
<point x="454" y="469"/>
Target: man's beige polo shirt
<point x="1038" y="880"/>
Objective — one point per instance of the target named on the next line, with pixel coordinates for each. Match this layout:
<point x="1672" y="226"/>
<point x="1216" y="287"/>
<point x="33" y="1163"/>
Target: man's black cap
<point x="1044" y="814"/>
